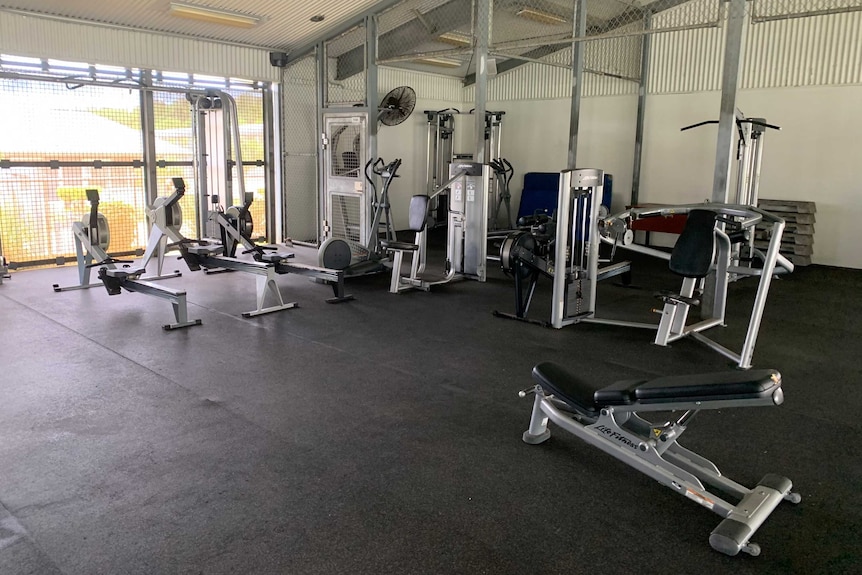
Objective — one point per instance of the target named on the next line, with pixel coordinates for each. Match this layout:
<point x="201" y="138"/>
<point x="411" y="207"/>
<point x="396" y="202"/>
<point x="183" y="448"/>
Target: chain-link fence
<point x="345" y="67"/>
<point x="55" y="144"/>
<point x="300" y="147"/>
<point x="434" y="36"/>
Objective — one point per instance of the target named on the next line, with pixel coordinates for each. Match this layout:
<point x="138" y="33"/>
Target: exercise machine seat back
<point x="416" y="219"/>
<point x="694" y="250"/>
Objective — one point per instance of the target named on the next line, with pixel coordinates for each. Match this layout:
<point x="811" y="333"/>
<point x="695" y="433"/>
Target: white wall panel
<point x="686" y="61"/>
<point x="46" y="38"/>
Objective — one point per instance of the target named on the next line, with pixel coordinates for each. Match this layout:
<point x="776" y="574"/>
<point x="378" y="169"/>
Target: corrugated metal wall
<point x="46" y="38"/>
<point x="813" y="51"/>
<point x="539" y="82"/>
<point x="427" y="86"/>
<point x="816" y="51"/>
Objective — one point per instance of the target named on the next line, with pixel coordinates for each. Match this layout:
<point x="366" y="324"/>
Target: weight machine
<point x="441" y="152"/>
<point x="704" y="248"/>
<point x="564" y="248"/>
<point x="466" y="240"/>
<point x="749" y="158"/>
<point x="217" y="140"/>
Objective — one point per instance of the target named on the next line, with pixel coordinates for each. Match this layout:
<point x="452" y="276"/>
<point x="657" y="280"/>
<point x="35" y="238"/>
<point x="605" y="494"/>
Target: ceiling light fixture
<point x="456" y="39"/>
<point x="541" y="17"/>
<point x="213" y="16"/>
<point x="441" y="62"/>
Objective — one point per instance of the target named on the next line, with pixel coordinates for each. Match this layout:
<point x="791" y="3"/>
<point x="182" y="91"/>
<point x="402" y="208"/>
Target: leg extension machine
<point x="608" y="418"/>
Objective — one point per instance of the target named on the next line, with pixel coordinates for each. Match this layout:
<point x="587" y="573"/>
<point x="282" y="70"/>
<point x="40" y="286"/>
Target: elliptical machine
<point x="352" y="256"/>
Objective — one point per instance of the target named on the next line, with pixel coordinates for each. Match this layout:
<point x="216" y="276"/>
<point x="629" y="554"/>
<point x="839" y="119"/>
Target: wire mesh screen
<point x="345" y="66"/>
<point x="172" y="118"/>
<point x="55" y="143"/>
<point x="347" y="219"/>
<point x="429" y="35"/>
<point x="543" y="30"/>
<point x="300" y="145"/>
<point x="249" y="104"/>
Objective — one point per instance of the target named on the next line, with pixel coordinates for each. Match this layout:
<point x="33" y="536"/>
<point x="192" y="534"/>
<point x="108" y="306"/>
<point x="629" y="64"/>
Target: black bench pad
<point x="581" y="395"/>
<point x="753" y="384"/>
<point x="566" y="386"/>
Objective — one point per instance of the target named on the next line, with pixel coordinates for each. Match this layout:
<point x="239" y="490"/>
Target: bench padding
<point x="730" y="385"/>
<point x="753" y="384"/>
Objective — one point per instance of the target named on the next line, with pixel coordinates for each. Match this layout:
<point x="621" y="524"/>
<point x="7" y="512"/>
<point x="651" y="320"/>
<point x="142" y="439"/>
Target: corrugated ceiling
<point x="284" y="25"/>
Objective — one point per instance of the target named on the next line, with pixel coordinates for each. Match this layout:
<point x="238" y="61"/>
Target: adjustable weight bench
<point x="607" y="418"/>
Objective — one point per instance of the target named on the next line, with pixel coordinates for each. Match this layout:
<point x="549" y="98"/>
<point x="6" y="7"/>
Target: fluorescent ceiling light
<point x="540" y="16"/>
<point x="212" y="15"/>
<point x="441" y="62"/>
<point x="456" y="39"/>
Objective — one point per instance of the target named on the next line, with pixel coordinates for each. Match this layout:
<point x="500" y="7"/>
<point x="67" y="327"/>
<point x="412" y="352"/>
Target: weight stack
<point x="797" y="243"/>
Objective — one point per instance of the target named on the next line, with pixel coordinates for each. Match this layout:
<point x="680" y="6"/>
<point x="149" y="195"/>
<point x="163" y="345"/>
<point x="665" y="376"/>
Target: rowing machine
<point x="608" y="418"/>
<point x="116" y="280"/>
<point x="92" y="237"/>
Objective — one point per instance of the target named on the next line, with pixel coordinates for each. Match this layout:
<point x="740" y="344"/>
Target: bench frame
<point x="654" y="450"/>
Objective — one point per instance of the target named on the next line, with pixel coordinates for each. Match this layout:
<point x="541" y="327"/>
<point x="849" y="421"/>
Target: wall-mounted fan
<point x="396" y="106"/>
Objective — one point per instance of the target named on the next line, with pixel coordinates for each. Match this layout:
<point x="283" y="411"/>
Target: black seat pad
<point x="393" y="245"/>
<point x="692" y="254"/>
<point x="566" y="386"/>
<point x="753" y="384"/>
<point x="124" y="273"/>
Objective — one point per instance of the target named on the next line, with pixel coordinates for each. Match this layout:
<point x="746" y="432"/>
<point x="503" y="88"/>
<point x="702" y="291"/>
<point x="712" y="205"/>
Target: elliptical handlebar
<point x="382" y="169"/>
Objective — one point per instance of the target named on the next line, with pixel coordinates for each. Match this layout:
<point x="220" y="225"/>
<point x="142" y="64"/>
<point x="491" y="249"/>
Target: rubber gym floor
<point x="383" y="435"/>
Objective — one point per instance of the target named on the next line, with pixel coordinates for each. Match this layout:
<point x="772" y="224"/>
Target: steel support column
<point x="148" y="132"/>
<point x="272" y="191"/>
<point x="724" y="152"/>
<point x="482" y="30"/>
<point x="371" y="95"/>
<point x="646" y="43"/>
<point x="579" y="30"/>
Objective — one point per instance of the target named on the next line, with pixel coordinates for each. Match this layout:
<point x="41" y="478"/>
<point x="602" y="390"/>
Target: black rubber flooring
<point x="384" y="435"/>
